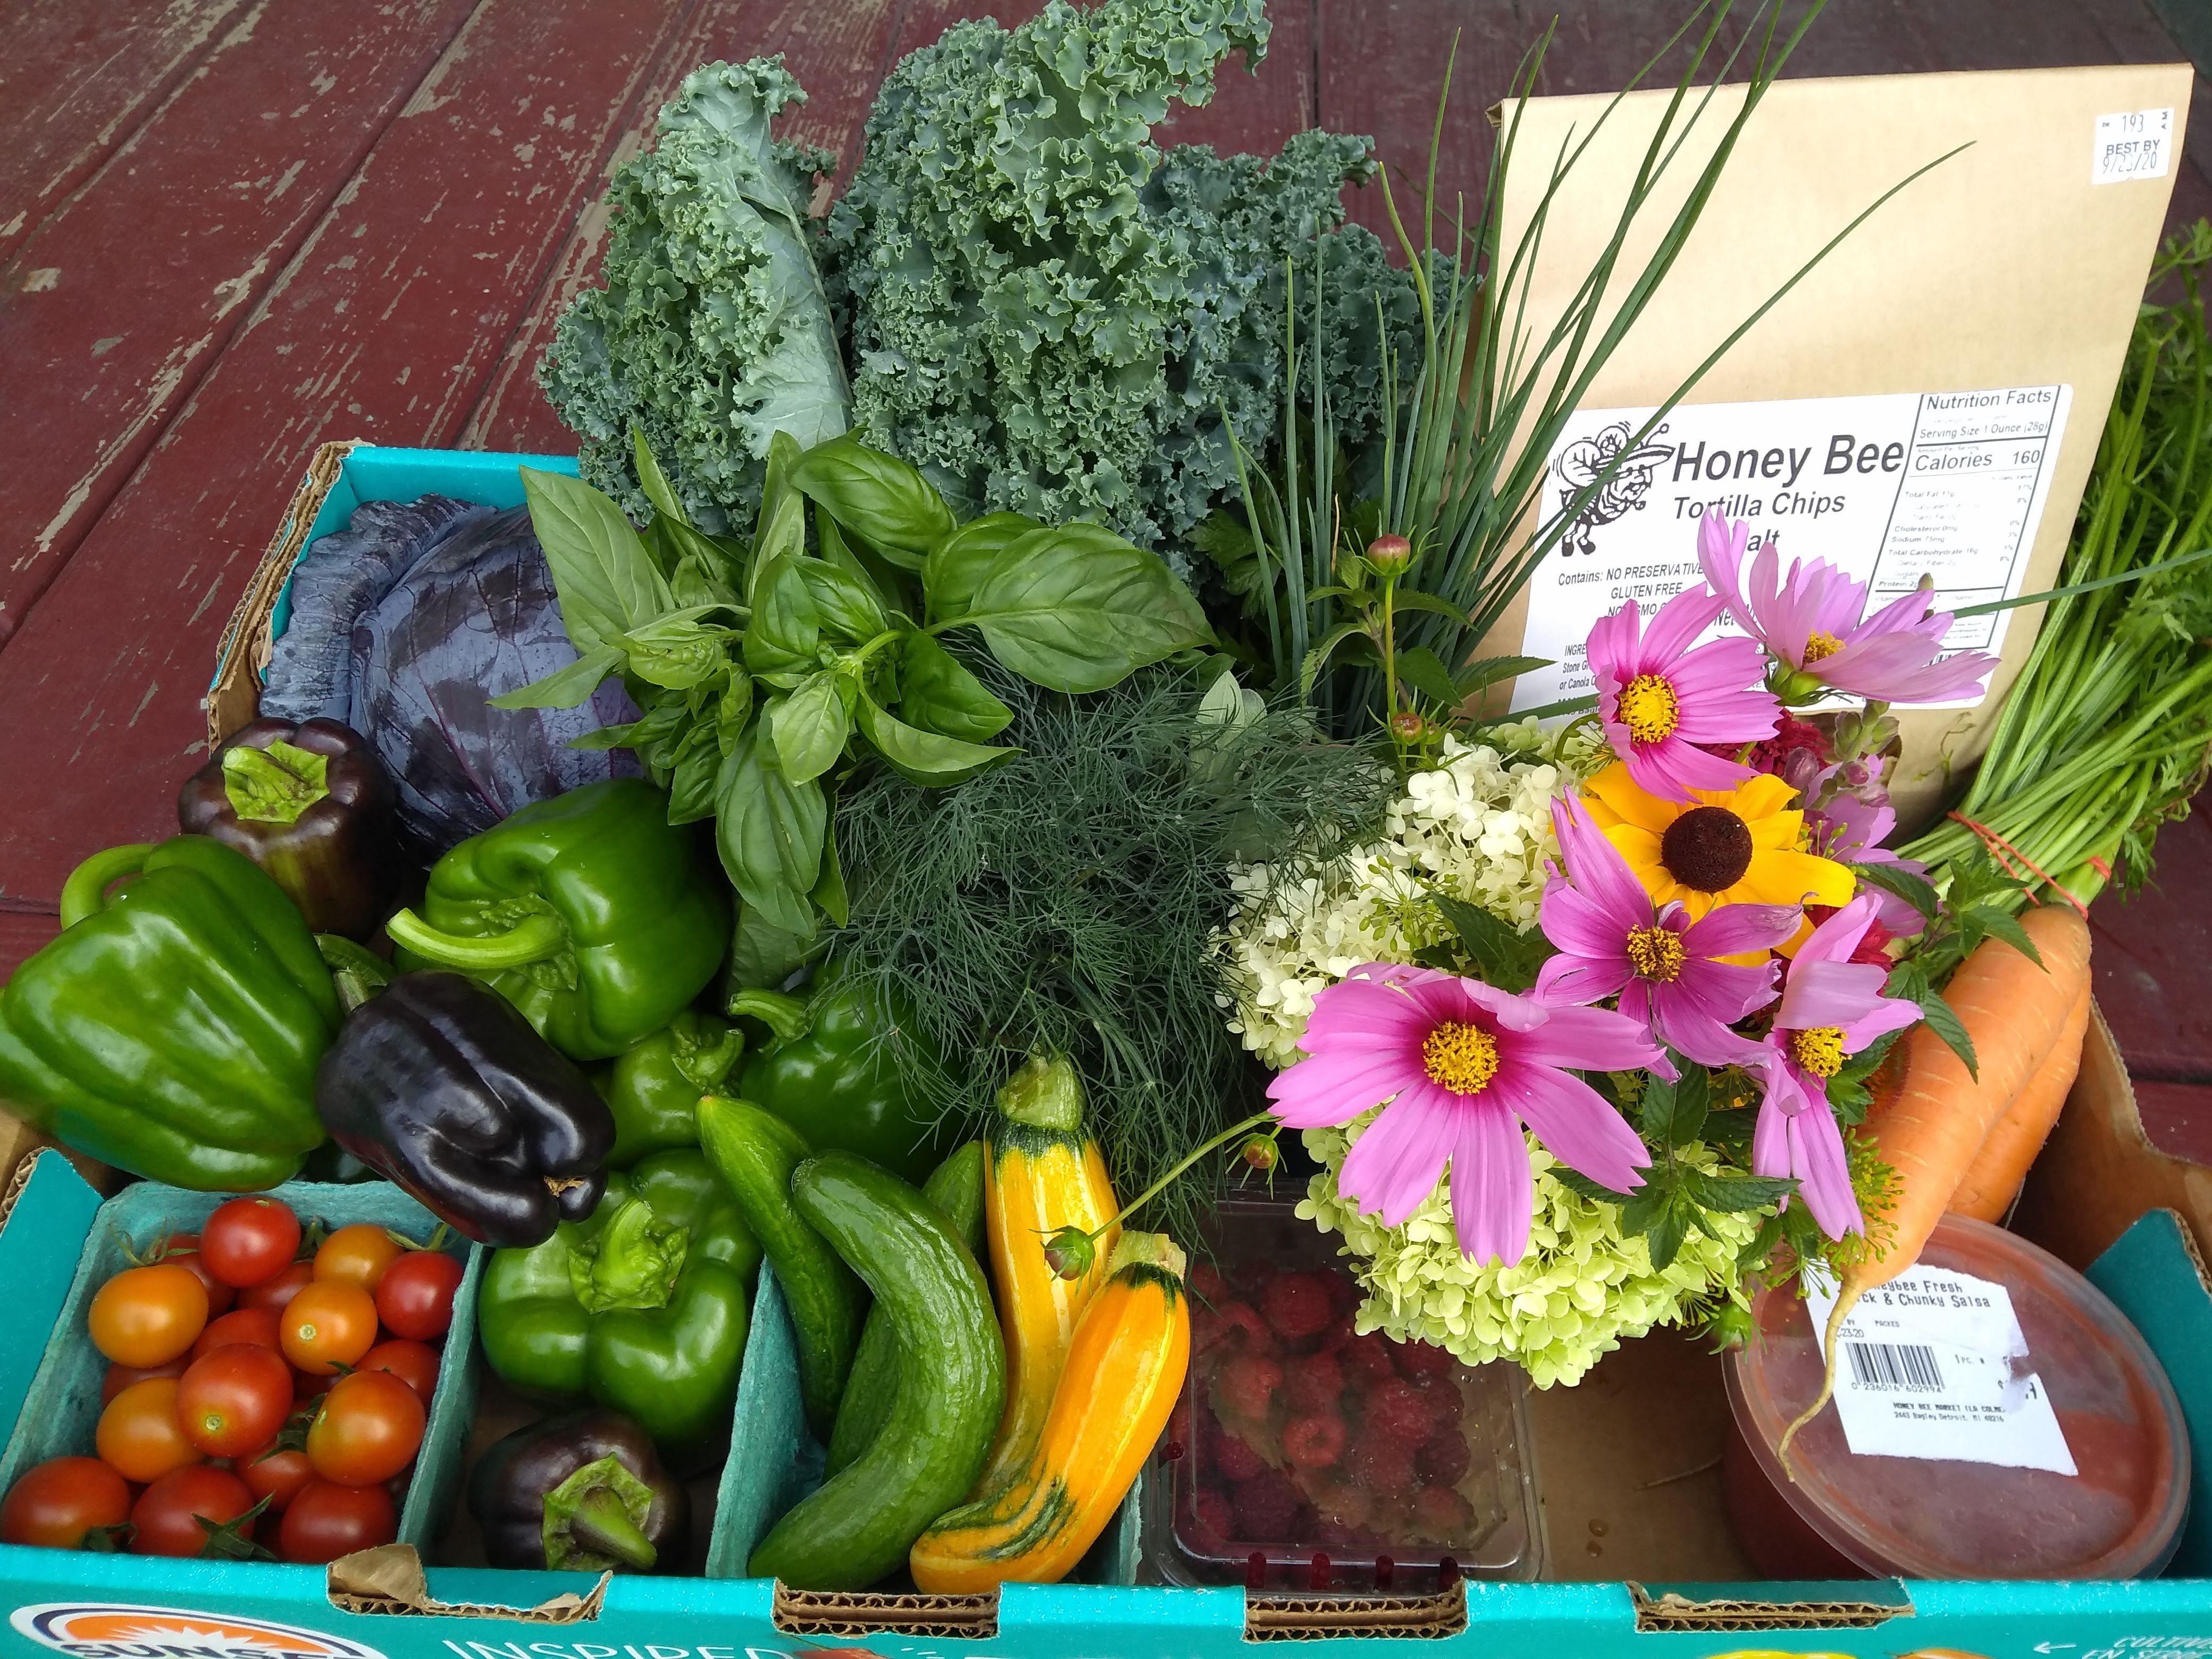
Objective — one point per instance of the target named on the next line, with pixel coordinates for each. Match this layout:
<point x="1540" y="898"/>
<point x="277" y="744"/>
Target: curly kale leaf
<point x="711" y="332"/>
<point x="1050" y="314"/>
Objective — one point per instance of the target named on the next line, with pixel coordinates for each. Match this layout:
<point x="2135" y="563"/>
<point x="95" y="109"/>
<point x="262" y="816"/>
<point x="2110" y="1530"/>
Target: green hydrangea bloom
<point x="1581" y="1290"/>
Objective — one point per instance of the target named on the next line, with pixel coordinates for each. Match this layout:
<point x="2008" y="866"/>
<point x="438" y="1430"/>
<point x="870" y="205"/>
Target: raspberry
<point x="1298" y="1305"/>
<point x="1251" y="1277"/>
<point x="1315" y="1442"/>
<point x="1215" y="1516"/>
<point x="1341" y="1512"/>
<point x="1267" y="1507"/>
<point x="1444" y="1401"/>
<point x="1314" y="1384"/>
<point x="1383" y="1467"/>
<point x="1396" y="1411"/>
<point x="1208" y="1284"/>
<point x="1244" y="1330"/>
<point x="1246" y="1386"/>
<point x="1342" y="1292"/>
<point x="1419" y="1362"/>
<point x="1230" y="1458"/>
<point x="1366" y="1360"/>
<point x="1441" y="1516"/>
<point x="1444" y="1460"/>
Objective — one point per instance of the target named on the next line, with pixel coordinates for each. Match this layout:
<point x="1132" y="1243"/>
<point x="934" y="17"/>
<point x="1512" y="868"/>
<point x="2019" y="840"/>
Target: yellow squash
<point x="1123" y="1374"/>
<point x="1042" y="1172"/>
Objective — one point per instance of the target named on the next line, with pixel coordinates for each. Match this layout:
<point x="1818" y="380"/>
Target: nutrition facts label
<point x="1948" y="486"/>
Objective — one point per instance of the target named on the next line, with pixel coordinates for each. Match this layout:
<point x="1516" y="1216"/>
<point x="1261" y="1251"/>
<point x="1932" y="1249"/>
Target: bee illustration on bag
<point x="1579" y="467"/>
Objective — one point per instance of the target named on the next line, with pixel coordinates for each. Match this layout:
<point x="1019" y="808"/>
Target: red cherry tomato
<point x="367" y="1430"/>
<point x="415" y="1297"/>
<point x="258" y="1325"/>
<point x="167" y="1514"/>
<point x="56" y="1504"/>
<point x="146" y="1316"/>
<point x="326" y="1521"/>
<point x="276" y="1473"/>
<point x="415" y="1363"/>
<point x="250" y="1240"/>
<point x="184" y="1249"/>
<point x="120" y="1377"/>
<point x="307" y="1390"/>
<point x="278" y="1292"/>
<point x="359" y="1255"/>
<point x="234" y="1399"/>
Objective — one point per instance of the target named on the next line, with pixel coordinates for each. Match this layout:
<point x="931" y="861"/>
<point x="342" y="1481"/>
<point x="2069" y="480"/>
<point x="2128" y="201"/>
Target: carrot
<point x="1932" y="1131"/>
<point x="1994" y="1180"/>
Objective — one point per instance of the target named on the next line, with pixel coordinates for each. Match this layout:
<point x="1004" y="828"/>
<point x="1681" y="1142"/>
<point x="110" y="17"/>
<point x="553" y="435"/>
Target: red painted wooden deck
<point x="231" y="229"/>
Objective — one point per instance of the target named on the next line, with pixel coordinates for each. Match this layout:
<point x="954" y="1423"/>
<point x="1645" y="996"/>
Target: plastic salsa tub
<point x="1848" y="1515"/>
<point x="1306" y="1458"/>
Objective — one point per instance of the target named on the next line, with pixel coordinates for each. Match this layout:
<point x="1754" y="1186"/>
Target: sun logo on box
<point x="118" y="1630"/>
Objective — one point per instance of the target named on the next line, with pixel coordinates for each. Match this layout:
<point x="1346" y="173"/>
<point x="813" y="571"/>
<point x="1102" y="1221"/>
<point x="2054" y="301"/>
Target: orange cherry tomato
<point x="138" y="1436"/>
<point x="258" y="1325"/>
<point x="358" y="1254"/>
<point x="328" y="1327"/>
<point x="56" y="1504"/>
<point x="415" y="1363"/>
<point x="148" y="1316"/>
<point x="367" y="1429"/>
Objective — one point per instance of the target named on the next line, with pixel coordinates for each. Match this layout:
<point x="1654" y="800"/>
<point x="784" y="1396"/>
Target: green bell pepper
<point x="653" y="1086"/>
<point x="834" y="1074"/>
<point x="174" y="1031"/>
<point x="643" y="1307"/>
<point x="589" y="912"/>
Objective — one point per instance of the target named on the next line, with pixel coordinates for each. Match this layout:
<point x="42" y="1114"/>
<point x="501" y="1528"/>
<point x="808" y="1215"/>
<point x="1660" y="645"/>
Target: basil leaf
<point x="606" y="580"/>
<point x="785" y="632"/>
<point x="810" y="727"/>
<point x="698" y="769"/>
<point x="654" y="481"/>
<point x="829" y="895"/>
<point x="1080" y="609"/>
<point x="845" y="607"/>
<point x="783" y="454"/>
<point x="877" y="497"/>
<point x="781" y="535"/>
<point x="677" y="651"/>
<point x="956" y="566"/>
<point x="565" y="688"/>
<point x="733" y="710"/>
<point x="769" y="831"/>
<point x="920" y="756"/>
<point x="763" y="956"/>
<point x="937" y="694"/>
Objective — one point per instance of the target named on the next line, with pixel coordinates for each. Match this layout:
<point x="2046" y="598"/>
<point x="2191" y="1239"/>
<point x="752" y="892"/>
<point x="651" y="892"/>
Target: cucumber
<point x="755" y="1151"/>
<point x="953" y="1382"/>
<point x="956" y="1187"/>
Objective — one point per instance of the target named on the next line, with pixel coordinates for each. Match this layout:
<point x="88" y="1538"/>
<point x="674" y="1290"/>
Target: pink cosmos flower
<point x="1660" y="963"/>
<point x="1462" y="1066"/>
<point x="1810" y="622"/>
<point x="1659" y="698"/>
<point x="1850" y="828"/>
<point x="1831" y="1007"/>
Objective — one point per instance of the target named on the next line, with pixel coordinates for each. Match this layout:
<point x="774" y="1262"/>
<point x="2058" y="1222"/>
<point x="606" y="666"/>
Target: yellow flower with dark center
<point x="1741" y="846"/>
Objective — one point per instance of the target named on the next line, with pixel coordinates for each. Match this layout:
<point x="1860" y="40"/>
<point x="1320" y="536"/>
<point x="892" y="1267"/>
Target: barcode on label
<point x="1907" y="1367"/>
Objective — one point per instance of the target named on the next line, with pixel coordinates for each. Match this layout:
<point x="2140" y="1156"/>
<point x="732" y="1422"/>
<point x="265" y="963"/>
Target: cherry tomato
<point x="307" y="1390"/>
<point x="416" y="1295"/>
<point x="326" y="1521"/>
<point x="358" y="1254"/>
<point x="367" y="1429"/>
<point x="184" y="1249"/>
<point x="276" y="1473"/>
<point x="234" y="1399"/>
<point x="278" y="1292"/>
<point x="57" y="1503"/>
<point x="256" y="1325"/>
<point x="146" y="1316"/>
<point x="415" y="1363"/>
<point x="167" y="1514"/>
<point x="120" y="1377"/>
<point x="328" y="1325"/>
<point x="138" y="1436"/>
<point x="250" y="1240"/>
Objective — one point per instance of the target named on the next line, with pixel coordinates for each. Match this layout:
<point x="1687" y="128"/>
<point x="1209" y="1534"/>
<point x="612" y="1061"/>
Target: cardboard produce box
<point x="1642" y="1558"/>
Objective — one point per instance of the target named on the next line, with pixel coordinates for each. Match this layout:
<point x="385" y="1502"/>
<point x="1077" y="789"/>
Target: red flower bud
<point x="1069" y="1253"/>
<point x="1390" y="555"/>
<point x="1407" y="727"/>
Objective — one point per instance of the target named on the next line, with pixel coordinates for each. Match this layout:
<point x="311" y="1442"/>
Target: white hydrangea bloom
<point x="1579" y="1292"/>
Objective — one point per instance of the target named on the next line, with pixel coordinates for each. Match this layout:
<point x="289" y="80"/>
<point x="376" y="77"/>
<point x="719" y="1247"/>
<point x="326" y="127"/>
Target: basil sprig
<point x="767" y="669"/>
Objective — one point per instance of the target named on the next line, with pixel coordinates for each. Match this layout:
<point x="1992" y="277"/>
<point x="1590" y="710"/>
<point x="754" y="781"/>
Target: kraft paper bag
<point x="1928" y="400"/>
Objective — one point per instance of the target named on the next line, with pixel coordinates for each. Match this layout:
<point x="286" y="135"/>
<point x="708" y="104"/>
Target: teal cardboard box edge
<point x="123" y="1607"/>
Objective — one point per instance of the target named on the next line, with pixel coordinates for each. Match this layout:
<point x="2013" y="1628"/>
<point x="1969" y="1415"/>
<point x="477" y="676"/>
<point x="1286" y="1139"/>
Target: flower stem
<point x="1167" y="1180"/>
